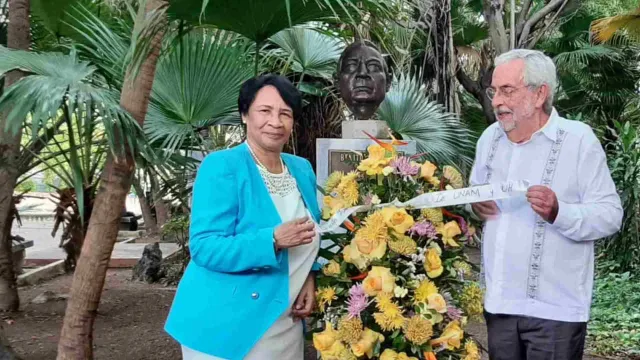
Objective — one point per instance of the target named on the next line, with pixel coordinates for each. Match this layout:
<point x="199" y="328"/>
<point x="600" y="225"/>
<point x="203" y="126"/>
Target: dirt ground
<point x="129" y="325"/>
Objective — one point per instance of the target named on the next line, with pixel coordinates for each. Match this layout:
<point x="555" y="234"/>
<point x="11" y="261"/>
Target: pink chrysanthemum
<point x="358" y="301"/>
<point x="424" y="228"/>
<point x="404" y="167"/>
<point x="454" y="313"/>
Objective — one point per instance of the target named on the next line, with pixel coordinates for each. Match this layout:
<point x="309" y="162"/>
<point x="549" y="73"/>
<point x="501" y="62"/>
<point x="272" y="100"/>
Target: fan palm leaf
<point x="310" y="52"/>
<point x="57" y="83"/>
<point x="439" y="134"/>
<point x="604" y="29"/>
<point x="196" y="86"/>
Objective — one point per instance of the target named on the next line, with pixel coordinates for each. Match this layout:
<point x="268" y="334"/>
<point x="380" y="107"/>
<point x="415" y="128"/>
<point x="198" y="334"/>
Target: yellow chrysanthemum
<point x="333" y="180"/>
<point x="324" y="297"/>
<point x="426" y="288"/>
<point x="471" y="300"/>
<point x="347" y="189"/>
<point x="418" y="330"/>
<point x="405" y="246"/>
<point x="388" y="322"/>
<point x="434" y="215"/>
<point x="350" y="329"/>
<point x="453" y="176"/>
<point x="471" y="348"/>
<point x="371" y="239"/>
<point x="385" y="303"/>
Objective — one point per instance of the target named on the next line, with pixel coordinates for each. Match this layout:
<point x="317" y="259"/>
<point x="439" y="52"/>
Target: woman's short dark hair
<point x="288" y="92"/>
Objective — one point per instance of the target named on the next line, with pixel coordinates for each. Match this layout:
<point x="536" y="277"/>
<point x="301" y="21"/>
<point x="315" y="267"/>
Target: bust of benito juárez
<point x="363" y="78"/>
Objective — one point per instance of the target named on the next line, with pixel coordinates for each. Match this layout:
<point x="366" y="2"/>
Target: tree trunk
<point x="149" y="221"/>
<point x="162" y="213"/>
<point x="18" y="37"/>
<point x="76" y="339"/>
<point x="6" y="352"/>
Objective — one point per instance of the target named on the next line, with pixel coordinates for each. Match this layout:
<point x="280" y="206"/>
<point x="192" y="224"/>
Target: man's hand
<point x="303" y="306"/>
<point x="486" y="210"/>
<point x="544" y="202"/>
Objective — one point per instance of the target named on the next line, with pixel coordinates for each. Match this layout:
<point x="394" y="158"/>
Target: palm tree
<point x="18" y="37"/>
<point x="604" y="29"/>
<point x="115" y="182"/>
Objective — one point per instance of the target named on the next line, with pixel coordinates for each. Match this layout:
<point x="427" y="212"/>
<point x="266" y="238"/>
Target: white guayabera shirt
<point x="531" y="267"/>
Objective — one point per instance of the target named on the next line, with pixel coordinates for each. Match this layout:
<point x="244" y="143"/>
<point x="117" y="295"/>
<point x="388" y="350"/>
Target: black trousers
<point x="513" y="337"/>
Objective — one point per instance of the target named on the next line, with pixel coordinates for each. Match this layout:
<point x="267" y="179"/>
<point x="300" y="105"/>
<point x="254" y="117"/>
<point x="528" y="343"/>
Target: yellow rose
<point x="455" y="178"/>
<point x="451" y="336"/>
<point x="331" y="206"/>
<point x="338" y="351"/>
<point x="370" y="246"/>
<point x="367" y="343"/>
<point x="389" y="354"/>
<point x="437" y="303"/>
<point x="332" y="268"/>
<point x="379" y="280"/>
<point x="397" y="219"/>
<point x="448" y="232"/>
<point x="433" y="263"/>
<point x="324" y="340"/>
<point x="352" y="255"/>
<point x="378" y="159"/>
<point x="427" y="170"/>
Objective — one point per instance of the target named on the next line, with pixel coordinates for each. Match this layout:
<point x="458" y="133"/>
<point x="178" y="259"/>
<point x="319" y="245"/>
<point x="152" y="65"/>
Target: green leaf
<point x="196" y="86"/>
<point x="439" y="134"/>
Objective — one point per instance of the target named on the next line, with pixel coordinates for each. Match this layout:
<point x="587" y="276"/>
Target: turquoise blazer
<point x="235" y="286"/>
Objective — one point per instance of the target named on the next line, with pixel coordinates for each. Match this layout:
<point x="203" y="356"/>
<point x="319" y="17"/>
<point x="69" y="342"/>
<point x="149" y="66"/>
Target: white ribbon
<point x="437" y="199"/>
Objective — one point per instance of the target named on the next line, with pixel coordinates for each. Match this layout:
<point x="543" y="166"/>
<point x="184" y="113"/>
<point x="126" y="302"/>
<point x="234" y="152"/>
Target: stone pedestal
<point x="354" y="129"/>
<point x="345" y="154"/>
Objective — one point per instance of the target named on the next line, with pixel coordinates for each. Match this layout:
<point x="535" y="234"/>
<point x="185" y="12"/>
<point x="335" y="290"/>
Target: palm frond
<point x="55" y="81"/>
<point x="196" y="85"/>
<point x="310" y="52"/>
<point x="604" y="29"/>
<point x="439" y="134"/>
<point x="581" y="56"/>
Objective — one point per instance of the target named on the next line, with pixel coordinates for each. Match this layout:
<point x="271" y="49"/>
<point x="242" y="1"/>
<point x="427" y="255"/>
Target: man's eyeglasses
<point x="506" y="91"/>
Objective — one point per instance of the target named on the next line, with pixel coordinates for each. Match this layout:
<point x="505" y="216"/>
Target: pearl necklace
<point x="269" y="176"/>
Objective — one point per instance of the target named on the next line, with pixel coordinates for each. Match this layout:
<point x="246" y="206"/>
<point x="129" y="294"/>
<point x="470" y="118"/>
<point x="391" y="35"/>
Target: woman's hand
<point x="294" y="233"/>
<point x="304" y="304"/>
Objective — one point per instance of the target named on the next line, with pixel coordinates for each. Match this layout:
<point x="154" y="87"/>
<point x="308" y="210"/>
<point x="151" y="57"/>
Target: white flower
<point x="421" y="277"/>
<point x="400" y="292"/>
<point x="375" y="200"/>
<point x="387" y="170"/>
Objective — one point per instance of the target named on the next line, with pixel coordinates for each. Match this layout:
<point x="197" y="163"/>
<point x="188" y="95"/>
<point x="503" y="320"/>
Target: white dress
<point x="284" y="339"/>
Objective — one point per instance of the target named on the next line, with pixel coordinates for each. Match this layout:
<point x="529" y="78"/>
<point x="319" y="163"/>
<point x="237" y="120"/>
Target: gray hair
<point x="539" y="70"/>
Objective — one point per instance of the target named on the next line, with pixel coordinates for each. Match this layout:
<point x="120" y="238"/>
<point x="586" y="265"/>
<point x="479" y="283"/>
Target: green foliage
<point x="309" y="52"/>
<point x="624" y="162"/>
<point x="196" y="86"/>
<point x="439" y="134"/>
<point x="259" y="20"/>
<point x="26" y="186"/>
<point x="615" y="314"/>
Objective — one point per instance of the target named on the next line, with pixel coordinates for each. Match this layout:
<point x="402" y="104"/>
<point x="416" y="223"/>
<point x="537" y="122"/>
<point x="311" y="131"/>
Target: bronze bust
<point x="363" y="78"/>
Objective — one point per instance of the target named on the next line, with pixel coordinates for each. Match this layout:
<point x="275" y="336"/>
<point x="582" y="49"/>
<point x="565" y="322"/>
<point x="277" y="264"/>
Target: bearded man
<point x="538" y="249"/>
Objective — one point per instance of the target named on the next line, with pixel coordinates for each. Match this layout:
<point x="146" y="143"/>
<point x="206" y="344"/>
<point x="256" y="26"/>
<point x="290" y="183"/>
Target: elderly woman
<point x="252" y="239"/>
